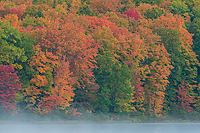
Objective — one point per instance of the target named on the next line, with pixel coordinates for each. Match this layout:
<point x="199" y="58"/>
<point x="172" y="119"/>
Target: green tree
<point x="154" y="13"/>
<point x="114" y="80"/>
<point x="151" y="2"/>
<point x="179" y="7"/>
<point x="11" y="50"/>
<point x="85" y="9"/>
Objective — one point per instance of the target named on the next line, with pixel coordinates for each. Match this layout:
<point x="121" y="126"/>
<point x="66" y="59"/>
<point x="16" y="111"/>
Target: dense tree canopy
<point x="117" y="56"/>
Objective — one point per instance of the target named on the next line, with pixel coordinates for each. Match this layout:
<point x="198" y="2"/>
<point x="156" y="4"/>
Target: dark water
<point x="101" y="128"/>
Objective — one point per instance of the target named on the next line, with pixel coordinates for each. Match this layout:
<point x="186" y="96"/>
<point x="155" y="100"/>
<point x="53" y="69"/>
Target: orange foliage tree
<point x="61" y="45"/>
<point x="155" y="69"/>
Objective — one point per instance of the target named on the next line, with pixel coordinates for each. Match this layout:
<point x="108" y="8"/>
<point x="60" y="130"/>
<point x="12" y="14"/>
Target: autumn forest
<point x="133" y="57"/>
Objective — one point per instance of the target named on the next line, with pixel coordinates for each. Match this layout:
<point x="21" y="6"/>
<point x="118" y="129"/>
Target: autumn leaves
<point x="103" y="58"/>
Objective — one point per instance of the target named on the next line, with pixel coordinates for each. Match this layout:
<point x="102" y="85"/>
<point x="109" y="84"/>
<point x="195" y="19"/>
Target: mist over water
<point x="101" y="128"/>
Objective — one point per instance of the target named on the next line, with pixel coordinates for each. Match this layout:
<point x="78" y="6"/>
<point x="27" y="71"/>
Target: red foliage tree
<point x="131" y="13"/>
<point x="184" y="100"/>
<point x="7" y="9"/>
<point x="9" y="84"/>
<point x="19" y="12"/>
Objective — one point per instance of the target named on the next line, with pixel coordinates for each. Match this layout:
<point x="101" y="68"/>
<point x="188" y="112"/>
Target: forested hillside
<point x="133" y="57"/>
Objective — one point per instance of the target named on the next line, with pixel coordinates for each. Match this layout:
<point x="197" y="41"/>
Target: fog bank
<point x="100" y="128"/>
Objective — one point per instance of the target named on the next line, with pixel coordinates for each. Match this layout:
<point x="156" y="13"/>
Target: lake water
<point x="101" y="128"/>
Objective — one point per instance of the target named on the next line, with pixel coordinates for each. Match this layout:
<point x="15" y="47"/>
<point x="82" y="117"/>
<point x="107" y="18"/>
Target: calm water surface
<point x="101" y="128"/>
